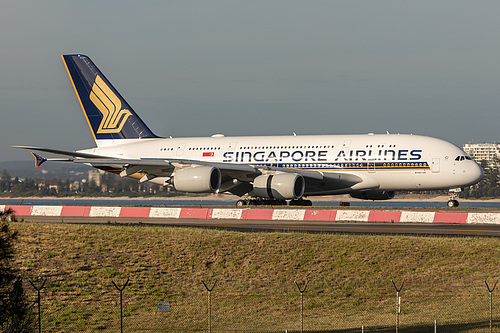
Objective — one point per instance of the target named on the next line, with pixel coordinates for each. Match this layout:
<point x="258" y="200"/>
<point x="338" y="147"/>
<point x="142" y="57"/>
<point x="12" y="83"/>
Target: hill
<point x="25" y="169"/>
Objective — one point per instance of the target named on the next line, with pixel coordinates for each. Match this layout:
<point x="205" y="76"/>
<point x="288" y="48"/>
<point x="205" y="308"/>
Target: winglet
<point x="38" y="159"/>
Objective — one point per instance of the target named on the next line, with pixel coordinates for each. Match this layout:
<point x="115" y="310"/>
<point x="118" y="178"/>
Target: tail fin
<point x="109" y="116"/>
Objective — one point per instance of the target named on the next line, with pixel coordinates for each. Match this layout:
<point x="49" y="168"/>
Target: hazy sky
<point x="195" y="68"/>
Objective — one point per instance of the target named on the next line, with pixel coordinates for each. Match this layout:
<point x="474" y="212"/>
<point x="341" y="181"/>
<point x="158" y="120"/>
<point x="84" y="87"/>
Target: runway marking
<point x="381" y="227"/>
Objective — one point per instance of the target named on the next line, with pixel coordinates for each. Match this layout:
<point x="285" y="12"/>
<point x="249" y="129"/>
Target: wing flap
<point x="166" y="162"/>
<point x="312" y="174"/>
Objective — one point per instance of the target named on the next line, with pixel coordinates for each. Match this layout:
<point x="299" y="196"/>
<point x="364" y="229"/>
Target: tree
<point x="491" y="173"/>
<point x="5" y="181"/>
<point x="489" y="186"/>
<point x="13" y="301"/>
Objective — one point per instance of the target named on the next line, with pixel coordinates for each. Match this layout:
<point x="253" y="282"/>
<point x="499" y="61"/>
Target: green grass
<point x="349" y="278"/>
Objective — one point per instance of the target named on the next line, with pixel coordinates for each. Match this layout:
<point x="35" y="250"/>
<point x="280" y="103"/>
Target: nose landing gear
<point x="453" y="202"/>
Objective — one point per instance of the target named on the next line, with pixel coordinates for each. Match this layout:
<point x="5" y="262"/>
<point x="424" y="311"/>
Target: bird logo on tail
<point x="113" y="116"/>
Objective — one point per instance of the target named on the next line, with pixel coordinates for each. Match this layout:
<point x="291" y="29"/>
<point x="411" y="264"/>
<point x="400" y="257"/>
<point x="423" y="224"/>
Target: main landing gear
<point x="300" y="202"/>
<point x="260" y="202"/>
<point x="272" y="202"/>
<point x="453" y="202"/>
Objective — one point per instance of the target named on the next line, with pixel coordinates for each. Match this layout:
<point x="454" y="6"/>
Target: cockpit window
<point x="462" y="158"/>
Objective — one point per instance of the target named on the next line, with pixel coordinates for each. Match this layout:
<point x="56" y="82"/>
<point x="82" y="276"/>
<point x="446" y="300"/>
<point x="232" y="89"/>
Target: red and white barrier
<point x="285" y="214"/>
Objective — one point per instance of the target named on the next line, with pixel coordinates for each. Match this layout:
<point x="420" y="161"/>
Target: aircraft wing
<point x="60" y="152"/>
<point x="141" y="163"/>
<point x="164" y="162"/>
<point x="236" y="178"/>
<point x="243" y="173"/>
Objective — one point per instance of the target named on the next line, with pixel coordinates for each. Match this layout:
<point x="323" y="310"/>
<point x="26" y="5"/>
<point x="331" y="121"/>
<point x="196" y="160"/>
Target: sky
<point x="259" y="67"/>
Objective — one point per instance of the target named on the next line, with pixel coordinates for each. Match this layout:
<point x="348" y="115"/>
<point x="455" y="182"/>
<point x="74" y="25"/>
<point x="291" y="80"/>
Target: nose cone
<point x="474" y="173"/>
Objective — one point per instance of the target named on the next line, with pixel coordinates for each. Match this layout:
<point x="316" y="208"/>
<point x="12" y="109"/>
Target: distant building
<point x="489" y="152"/>
<point x="95" y="176"/>
<point x="75" y="186"/>
<point x="51" y="184"/>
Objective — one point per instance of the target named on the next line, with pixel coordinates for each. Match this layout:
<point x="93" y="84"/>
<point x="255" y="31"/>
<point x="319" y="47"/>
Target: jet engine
<point x="197" y="179"/>
<point x="373" y="195"/>
<point x="280" y="186"/>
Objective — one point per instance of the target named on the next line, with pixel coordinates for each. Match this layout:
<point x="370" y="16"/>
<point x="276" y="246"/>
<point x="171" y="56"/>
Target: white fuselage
<point x="384" y="161"/>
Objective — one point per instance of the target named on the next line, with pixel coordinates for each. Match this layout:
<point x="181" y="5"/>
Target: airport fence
<point x="294" y="306"/>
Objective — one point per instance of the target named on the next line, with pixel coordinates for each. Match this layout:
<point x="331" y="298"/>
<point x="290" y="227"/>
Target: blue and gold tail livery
<point x="108" y="114"/>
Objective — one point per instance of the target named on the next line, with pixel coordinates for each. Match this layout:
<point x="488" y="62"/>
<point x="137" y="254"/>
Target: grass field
<point x="349" y="279"/>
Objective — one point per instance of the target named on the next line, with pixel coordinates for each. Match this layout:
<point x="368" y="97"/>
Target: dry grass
<point x="349" y="277"/>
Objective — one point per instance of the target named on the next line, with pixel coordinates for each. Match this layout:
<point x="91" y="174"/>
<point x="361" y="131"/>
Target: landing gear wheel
<point x="307" y="203"/>
<point x="453" y="202"/>
<point x="241" y="203"/>
<point x="300" y="202"/>
<point x="260" y="202"/>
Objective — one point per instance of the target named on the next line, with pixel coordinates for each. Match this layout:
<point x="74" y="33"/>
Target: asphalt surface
<point x="416" y="229"/>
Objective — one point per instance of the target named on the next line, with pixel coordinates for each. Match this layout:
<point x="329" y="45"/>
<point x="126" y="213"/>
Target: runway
<point x="415" y="229"/>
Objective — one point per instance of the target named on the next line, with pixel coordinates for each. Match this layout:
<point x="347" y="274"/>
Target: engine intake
<point x="374" y="195"/>
<point x="280" y="186"/>
<point x="197" y="179"/>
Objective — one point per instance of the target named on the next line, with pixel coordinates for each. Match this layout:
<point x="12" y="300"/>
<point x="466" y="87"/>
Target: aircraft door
<point x="435" y="165"/>
<point x="232" y="148"/>
<point x="180" y="148"/>
<point x="346" y="147"/>
<point x="371" y="166"/>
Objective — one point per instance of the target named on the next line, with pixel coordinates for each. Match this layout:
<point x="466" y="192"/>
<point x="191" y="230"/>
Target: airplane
<point x="277" y="170"/>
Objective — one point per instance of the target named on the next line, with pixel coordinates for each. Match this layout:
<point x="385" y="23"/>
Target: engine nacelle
<point x="374" y="195"/>
<point x="280" y="186"/>
<point x="197" y="179"/>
